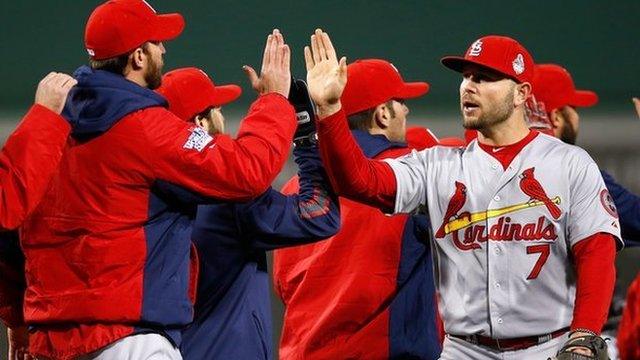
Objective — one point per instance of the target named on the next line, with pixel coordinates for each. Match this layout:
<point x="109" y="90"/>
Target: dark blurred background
<point x="598" y="41"/>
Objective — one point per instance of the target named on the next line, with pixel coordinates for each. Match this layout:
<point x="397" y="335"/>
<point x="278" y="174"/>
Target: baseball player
<point x="368" y="292"/>
<point x="525" y="232"/>
<point x="107" y="250"/>
<point x="232" y="309"/>
<point x="27" y="162"/>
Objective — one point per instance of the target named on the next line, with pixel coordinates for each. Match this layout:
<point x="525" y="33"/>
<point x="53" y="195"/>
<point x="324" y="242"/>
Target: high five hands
<point x="275" y="75"/>
<point x="326" y="76"/>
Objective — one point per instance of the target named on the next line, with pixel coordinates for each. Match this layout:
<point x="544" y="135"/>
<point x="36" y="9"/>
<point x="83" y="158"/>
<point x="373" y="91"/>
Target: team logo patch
<point x="198" y="139"/>
<point x="518" y="64"/>
<point x="476" y="48"/>
<point x="608" y="204"/>
<point x="91" y="52"/>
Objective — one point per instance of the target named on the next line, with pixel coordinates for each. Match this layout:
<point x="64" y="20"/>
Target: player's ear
<point x="199" y="121"/>
<point x="555" y="118"/>
<point x="382" y="116"/>
<point x="137" y="58"/>
<point x="521" y="93"/>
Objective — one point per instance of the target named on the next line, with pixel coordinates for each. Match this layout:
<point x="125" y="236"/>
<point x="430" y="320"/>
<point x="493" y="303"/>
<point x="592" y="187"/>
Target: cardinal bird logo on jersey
<point x="455" y="204"/>
<point x="532" y="188"/>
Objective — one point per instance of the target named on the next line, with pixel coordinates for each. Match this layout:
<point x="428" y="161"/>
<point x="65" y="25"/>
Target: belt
<point x="513" y="343"/>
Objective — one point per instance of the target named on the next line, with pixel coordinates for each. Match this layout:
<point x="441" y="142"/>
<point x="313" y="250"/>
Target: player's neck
<point x="505" y="133"/>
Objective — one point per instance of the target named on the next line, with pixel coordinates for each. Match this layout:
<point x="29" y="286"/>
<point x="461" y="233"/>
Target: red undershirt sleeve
<point x="352" y="175"/>
<point x="596" y="272"/>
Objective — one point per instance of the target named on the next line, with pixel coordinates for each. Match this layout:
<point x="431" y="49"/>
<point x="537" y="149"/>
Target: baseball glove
<point x="305" y="112"/>
<point x="596" y="344"/>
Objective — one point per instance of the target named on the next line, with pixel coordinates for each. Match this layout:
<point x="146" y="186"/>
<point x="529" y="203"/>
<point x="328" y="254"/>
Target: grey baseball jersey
<point x="502" y="237"/>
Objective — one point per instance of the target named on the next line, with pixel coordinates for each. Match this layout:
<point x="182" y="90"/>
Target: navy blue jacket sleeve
<point x="628" y="205"/>
<point x="274" y="220"/>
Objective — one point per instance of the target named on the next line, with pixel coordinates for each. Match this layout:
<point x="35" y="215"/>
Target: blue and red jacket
<point x="233" y="309"/>
<point x="108" y="251"/>
<point x="366" y="293"/>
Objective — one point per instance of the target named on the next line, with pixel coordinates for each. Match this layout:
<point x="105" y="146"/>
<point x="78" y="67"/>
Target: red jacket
<point x="629" y="331"/>
<point x="27" y="162"/>
<point x="108" y="249"/>
<point x="367" y="292"/>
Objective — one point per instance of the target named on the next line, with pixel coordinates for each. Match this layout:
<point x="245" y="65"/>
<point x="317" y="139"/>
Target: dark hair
<point x="363" y="119"/>
<point x="116" y="64"/>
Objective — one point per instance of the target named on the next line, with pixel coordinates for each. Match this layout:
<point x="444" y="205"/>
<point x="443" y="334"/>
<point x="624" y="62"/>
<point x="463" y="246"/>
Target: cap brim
<point x="584" y="98"/>
<point x="168" y="27"/>
<point x="457" y="63"/>
<point x="225" y="94"/>
<point x="412" y="90"/>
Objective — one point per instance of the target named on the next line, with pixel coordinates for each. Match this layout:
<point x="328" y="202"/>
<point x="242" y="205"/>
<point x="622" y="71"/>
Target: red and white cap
<point x="553" y="86"/>
<point x="119" y="26"/>
<point x="189" y="91"/>
<point x="371" y="82"/>
<point x="499" y="53"/>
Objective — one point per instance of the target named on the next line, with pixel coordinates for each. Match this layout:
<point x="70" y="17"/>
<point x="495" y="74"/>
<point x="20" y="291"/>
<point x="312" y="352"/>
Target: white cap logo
<point x="91" y="52"/>
<point x="518" y="64"/>
<point x="476" y="48"/>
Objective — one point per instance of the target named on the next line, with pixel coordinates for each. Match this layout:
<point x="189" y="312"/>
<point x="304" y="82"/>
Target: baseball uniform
<point x="511" y="233"/>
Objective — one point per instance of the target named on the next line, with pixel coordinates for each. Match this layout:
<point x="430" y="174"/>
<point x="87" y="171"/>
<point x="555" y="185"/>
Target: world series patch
<point x="198" y="139"/>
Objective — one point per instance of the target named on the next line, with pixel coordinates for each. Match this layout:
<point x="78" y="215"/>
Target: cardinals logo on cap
<point x="518" y="64"/>
<point x="476" y="48"/>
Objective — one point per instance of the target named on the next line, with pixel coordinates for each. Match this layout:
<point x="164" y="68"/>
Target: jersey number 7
<point x="543" y="250"/>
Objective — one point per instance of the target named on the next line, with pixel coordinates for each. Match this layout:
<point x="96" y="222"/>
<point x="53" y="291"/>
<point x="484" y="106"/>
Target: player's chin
<point x="471" y="122"/>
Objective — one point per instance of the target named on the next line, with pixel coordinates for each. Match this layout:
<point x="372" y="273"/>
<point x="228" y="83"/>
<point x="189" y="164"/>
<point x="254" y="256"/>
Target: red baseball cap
<point x="119" y="26"/>
<point x="371" y="82"/>
<point x="554" y="87"/>
<point x="499" y="53"/>
<point x="189" y="91"/>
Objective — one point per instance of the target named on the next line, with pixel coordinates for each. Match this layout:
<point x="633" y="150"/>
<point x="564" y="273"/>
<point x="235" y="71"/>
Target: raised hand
<point x="53" y="90"/>
<point x="275" y="75"/>
<point x="326" y="77"/>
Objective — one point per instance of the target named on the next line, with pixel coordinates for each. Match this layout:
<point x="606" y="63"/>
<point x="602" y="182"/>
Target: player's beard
<point x="495" y="115"/>
<point x="153" y="74"/>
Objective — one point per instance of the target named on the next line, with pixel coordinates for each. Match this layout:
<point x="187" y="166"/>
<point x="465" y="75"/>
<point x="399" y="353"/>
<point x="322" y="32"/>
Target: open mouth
<point x="469" y="105"/>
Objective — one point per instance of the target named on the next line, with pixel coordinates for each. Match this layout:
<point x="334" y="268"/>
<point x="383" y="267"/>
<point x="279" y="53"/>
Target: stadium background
<point x="596" y="40"/>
